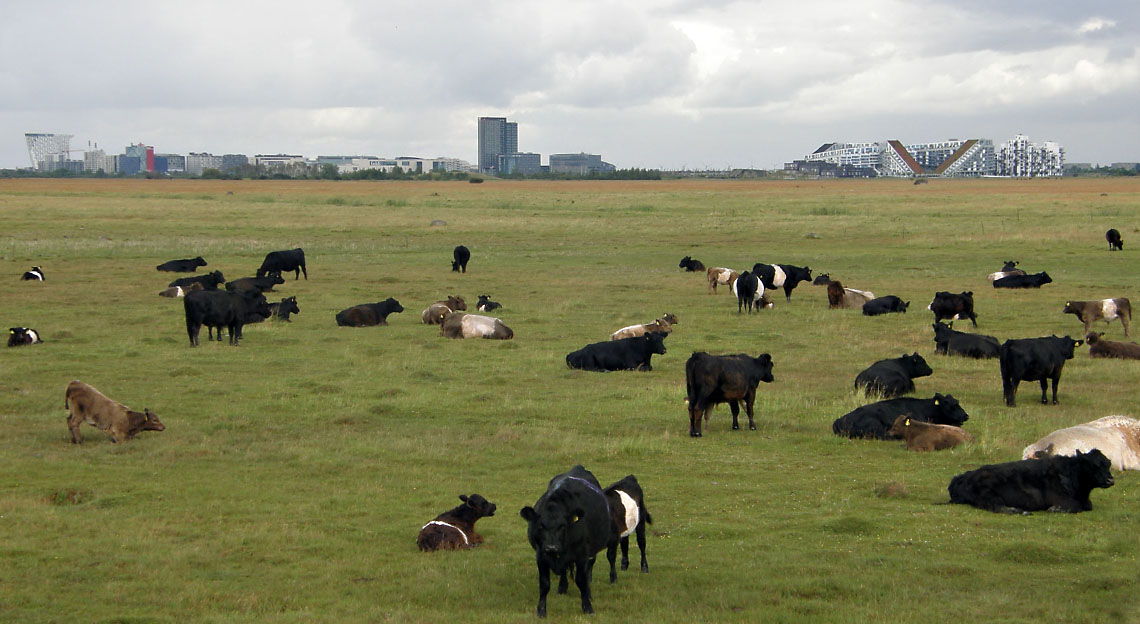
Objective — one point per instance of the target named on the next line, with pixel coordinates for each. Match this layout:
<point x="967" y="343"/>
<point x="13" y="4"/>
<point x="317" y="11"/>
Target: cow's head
<point x="1093" y="337"/>
<point x="1069" y="308"/>
<point x="455" y="302"/>
<point x="151" y="421"/>
<point x="764" y="364"/>
<point x="949" y="410"/>
<point x="656" y="342"/>
<point x="289" y="304"/>
<point x="393" y="305"/>
<point x="670" y="318"/>
<point x="916" y="366"/>
<point x="217" y="278"/>
<point x="899" y="427"/>
<point x="276" y="279"/>
<point x="482" y="507"/>
<point x="1045" y="279"/>
<point x="1094" y="469"/>
<point x="685" y="262"/>
<point x="199" y="261"/>
<point x="822" y="279"/>
<point x="549" y="528"/>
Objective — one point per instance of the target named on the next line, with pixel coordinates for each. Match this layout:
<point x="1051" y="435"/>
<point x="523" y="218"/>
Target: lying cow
<point x="839" y="296"/>
<point x="691" y="265"/>
<point x="953" y="306"/>
<point x="1034" y="359"/>
<point x="623" y="354"/>
<point x="948" y="341"/>
<point x="36" y="274"/>
<point x="182" y="266"/>
<point x="283" y="309"/>
<point x="455" y="529"/>
<point x="180" y="291"/>
<point x="85" y="404"/>
<point x="1057" y="483"/>
<point x="287" y="260"/>
<point x="1037" y="280"/>
<point x="923" y="436"/>
<point x="568" y="526"/>
<point x="720" y="275"/>
<point x="823" y="279"/>
<point x="1109" y="349"/>
<point x="1107" y="310"/>
<point x="1118" y="437"/>
<point x="885" y="305"/>
<point x="463" y="325"/>
<point x="209" y="281"/>
<point x="434" y="313"/>
<point x="486" y="305"/>
<point x="712" y="379"/>
<point x="627" y="509"/>
<point x="1010" y="268"/>
<point x="368" y="314"/>
<point x="892" y="377"/>
<point x="20" y="336"/>
<point x="261" y="284"/>
<point x="875" y="420"/>
<point x="659" y="326"/>
<point x="1115" y="243"/>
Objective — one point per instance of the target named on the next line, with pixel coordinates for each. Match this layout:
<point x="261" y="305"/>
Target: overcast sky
<point x="656" y="83"/>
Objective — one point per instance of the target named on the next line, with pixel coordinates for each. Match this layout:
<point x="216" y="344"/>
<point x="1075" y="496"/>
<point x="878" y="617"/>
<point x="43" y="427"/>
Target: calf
<point x="948" y="341"/>
<point x="953" y="306"/>
<point x="1118" y="437"/>
<point x="486" y="305"/>
<point x="182" y="266"/>
<point x="209" y="281"/>
<point x="884" y="305"/>
<point x="218" y="309"/>
<point x="277" y="262"/>
<point x="85" y="404"/>
<point x="568" y="526"/>
<point x="1107" y="310"/>
<point x="462" y="325"/>
<point x="923" y="436"/>
<point x="36" y="274"/>
<point x="460" y="257"/>
<point x="1108" y="349"/>
<point x="1115" y="243"/>
<point x="1057" y="483"/>
<point x="875" y="420"/>
<point x="20" y="336"/>
<point x="720" y="275"/>
<point x="712" y="379"/>
<point x="823" y="279"/>
<point x="455" y="529"/>
<point x="180" y="291"/>
<point x="691" y="265"/>
<point x="285" y="308"/>
<point x="623" y="354"/>
<point x="893" y="377"/>
<point x="839" y="296"/>
<point x="260" y="284"/>
<point x="629" y="515"/>
<point x="1034" y="359"/>
<point x="1037" y="280"/>
<point x="368" y="314"/>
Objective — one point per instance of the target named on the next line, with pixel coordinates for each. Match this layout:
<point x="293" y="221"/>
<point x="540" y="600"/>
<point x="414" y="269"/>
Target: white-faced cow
<point x="892" y="377"/>
<point x="1057" y="483"/>
<point x="187" y="265"/>
<point x="953" y="306"/>
<point x="277" y="262"/>
<point x="1034" y="359"/>
<point x="1107" y="310"/>
<point x="712" y="379"/>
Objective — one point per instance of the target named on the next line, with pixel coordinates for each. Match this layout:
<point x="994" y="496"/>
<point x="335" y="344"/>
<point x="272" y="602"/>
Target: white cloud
<point x="1095" y="24"/>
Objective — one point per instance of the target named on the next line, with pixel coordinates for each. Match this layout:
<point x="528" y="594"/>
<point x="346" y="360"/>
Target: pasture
<point x="296" y="470"/>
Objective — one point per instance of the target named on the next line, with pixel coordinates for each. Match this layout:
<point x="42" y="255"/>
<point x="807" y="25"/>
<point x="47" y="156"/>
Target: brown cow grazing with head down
<point x="924" y="436"/>
<point x="85" y="404"/>
<point x="455" y="529"/>
<point x="838" y="296"/>
<point x="720" y="275"/>
<point x="1109" y="349"/>
<point x="1106" y="310"/>
<point x="463" y="325"/>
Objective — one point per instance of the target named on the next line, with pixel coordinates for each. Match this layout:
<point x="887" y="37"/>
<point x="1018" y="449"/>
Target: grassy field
<point x="296" y="470"/>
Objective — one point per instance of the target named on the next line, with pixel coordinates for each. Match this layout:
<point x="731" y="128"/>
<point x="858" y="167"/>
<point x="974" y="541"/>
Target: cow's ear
<point x="463" y="497"/>
<point x="528" y="513"/>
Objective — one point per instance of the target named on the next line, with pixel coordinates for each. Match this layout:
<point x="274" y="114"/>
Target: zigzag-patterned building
<point x="951" y="158"/>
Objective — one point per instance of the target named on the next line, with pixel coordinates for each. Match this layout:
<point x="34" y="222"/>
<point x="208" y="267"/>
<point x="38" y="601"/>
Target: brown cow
<point x="433" y="315"/>
<point x="720" y="275"/>
<point x="1109" y="349"/>
<point x="85" y="404"/>
<point x="663" y="325"/>
<point x="924" y="436"/>
<point x="455" y="529"/>
<point x="1105" y="310"/>
<point x="839" y="296"/>
<point x="463" y="325"/>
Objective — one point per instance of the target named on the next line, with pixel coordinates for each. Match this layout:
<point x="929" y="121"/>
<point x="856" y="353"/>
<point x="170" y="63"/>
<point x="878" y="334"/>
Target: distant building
<point x="97" y="160"/>
<point x="497" y="136"/>
<point x="1019" y="157"/>
<point x="277" y="160"/>
<point x="525" y="163"/>
<point x="231" y="163"/>
<point x="198" y="162"/>
<point x="172" y="163"/>
<point x="579" y="164"/>
<point x="43" y="145"/>
<point x="949" y="158"/>
<point x="145" y="154"/>
<point x="1126" y="166"/>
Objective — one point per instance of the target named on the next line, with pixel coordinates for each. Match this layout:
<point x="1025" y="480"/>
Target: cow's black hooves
<point x="753" y="428"/>
<point x="645" y="569"/>
<point x="735" y="427"/>
<point x="694" y="434"/>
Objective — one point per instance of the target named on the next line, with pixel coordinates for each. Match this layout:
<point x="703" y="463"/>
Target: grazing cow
<point x="823" y="279"/>
<point x="953" y="306"/>
<point x="219" y="308"/>
<point x="874" y="420"/>
<point x="85" y="404"/>
<point x="182" y="266"/>
<point x="1057" y="483"/>
<point x="613" y="355"/>
<point x="839" y="296"/>
<point x="1108" y="349"/>
<point x="568" y="526"/>
<point x="948" y="341"/>
<point x="1118" y="437"/>
<point x="260" y="284"/>
<point x="486" y="305"/>
<point x="1034" y="359"/>
<point x="462" y="325"/>
<point x="36" y="274"/>
<point x="285" y="308"/>
<point x="20" y="336"/>
<point x="885" y="305"/>
<point x="748" y="290"/>
<point x="180" y="291"/>
<point x="712" y="379"/>
<point x="368" y="314"/>
<point x="1115" y="243"/>
<point x="461" y="255"/>
<point x="720" y="275"/>
<point x="893" y="377"/>
<point x="784" y="276"/>
<point x="209" y="281"/>
<point x="1107" y="310"/>
<point x="691" y="265"/>
<point x="924" y="436"/>
<point x="1037" y="280"/>
<point x="277" y="262"/>
<point x="455" y="529"/>
<point x="627" y="509"/>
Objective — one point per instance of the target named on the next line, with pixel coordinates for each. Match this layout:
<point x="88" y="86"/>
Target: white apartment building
<point x="196" y="163"/>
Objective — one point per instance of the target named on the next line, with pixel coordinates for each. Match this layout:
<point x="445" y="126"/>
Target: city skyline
<point x="667" y="84"/>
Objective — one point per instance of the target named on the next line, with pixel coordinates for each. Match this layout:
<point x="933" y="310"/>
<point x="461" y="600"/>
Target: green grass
<point x="297" y="469"/>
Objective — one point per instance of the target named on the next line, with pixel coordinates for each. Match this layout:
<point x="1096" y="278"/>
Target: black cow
<point x="182" y="266"/>
<point x="277" y="262"/>
<point x="823" y="279"/>
<point x="368" y="314"/>
<point x="893" y="377"/>
<point x="1010" y="265"/>
<point x="20" y="336"/>
<point x="712" y="379"/>
<point x="745" y="288"/>
<point x="219" y="308"/>
<point x="461" y="255"/>
<point x="36" y="274"/>
<point x="884" y="305"/>
<point x="788" y="276"/>
<point x="689" y="264"/>
<point x="1034" y="359"/>
<point x="1056" y="483"/>
<point x="948" y="305"/>
<point x="948" y="341"/>
<point x="622" y="354"/>
<point x="284" y="308"/>
<point x="875" y="420"/>
<point x="486" y="305"/>
<point x="260" y="284"/>
<point x="629" y="515"/>
<point x="209" y="281"/>
<point x="1037" y="280"/>
<point x="568" y="526"/>
<point x="1115" y="243"/>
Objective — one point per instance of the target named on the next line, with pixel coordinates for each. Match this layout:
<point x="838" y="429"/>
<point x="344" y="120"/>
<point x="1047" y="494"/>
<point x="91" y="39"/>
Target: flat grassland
<point x="297" y="469"/>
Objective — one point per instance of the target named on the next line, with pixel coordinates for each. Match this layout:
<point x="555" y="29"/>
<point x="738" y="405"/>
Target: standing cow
<point x="460" y="257"/>
<point x="222" y="308"/>
<point x="627" y="509"/>
<point x="277" y="262"/>
<point x="712" y="379"/>
<point x="1034" y="359"/>
<point x="1115" y="243"/>
<point x="786" y="276"/>
<point x="1107" y="310"/>
<point x="953" y="306"/>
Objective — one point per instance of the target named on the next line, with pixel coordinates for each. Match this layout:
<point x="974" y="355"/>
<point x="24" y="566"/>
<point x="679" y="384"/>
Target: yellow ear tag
<point x="936" y="401"/>
<point x="907" y="423"/>
<point x="574" y="519"/>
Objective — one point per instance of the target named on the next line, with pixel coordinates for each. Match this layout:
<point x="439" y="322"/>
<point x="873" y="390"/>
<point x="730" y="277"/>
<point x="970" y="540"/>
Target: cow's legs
<point x="582" y="579"/>
<point x="625" y="553"/>
<point x="735" y="407"/>
<point x="694" y="419"/>
<point x="1056" y="380"/>
<point x="640" y="532"/>
<point x="1009" y="390"/>
<point x="543" y="586"/>
<point x="1044" y="388"/>
<point x="749" y="400"/>
<point x="563" y="584"/>
<point x="611" y="556"/>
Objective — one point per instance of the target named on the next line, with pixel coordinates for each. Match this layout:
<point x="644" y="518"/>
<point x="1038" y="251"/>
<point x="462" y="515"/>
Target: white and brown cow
<point x="463" y="325"/>
<point x="663" y="325"/>
<point x="721" y="275"/>
<point x="85" y="404"/>
<point x="1118" y="437"/>
<point x="1106" y="310"/>
<point x="434" y="314"/>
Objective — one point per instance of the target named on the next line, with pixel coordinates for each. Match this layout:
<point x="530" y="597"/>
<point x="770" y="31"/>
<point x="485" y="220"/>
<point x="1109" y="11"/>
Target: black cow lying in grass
<point x="875" y="420"/>
<point x="455" y="529"/>
<point x="1037" y="280"/>
<point x="622" y="354"/>
<point x="368" y="314"/>
<point x="20" y="336"/>
<point x="209" y="281"/>
<point x="260" y="284"/>
<point x="952" y="342"/>
<point x="893" y="377"/>
<point x="1056" y="483"/>
<point x="712" y="379"/>
<point x="689" y="264"/>
<point x="182" y="266"/>
<point x="1034" y="359"/>
<point x="285" y="308"/>
<point x="885" y="305"/>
